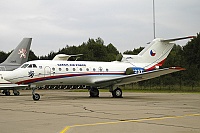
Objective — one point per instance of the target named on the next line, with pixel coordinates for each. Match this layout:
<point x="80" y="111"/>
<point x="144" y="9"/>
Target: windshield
<point x="24" y="66"/>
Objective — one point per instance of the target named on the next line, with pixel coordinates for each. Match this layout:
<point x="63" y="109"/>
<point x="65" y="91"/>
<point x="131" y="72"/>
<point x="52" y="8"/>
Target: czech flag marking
<point x="152" y="52"/>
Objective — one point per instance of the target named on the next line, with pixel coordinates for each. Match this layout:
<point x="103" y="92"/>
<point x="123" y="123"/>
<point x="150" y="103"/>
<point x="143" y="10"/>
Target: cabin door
<point x="47" y="71"/>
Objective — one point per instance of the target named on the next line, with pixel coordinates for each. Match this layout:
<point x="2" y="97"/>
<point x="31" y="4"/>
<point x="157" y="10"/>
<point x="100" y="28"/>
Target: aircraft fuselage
<point x="68" y="72"/>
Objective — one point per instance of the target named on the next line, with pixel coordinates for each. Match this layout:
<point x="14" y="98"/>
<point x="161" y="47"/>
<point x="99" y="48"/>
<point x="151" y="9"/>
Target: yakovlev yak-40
<point x="130" y="69"/>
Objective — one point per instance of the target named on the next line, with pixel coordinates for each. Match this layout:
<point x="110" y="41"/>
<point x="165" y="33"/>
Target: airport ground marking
<point x="126" y="121"/>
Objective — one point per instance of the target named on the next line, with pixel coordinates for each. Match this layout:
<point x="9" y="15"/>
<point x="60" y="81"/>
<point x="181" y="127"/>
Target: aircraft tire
<point x="7" y="93"/>
<point x="94" y="92"/>
<point x="36" y="97"/>
<point x="17" y="93"/>
<point x="117" y="93"/>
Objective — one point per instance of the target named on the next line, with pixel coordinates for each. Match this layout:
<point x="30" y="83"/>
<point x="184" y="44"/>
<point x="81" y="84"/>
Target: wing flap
<point x="127" y="79"/>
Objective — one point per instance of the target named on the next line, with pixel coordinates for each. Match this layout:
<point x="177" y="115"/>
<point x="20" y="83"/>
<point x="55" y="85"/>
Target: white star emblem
<point x="22" y="53"/>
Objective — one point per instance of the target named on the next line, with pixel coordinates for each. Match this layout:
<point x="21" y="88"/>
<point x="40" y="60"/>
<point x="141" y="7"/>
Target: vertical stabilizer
<point x="18" y="56"/>
<point x="154" y="54"/>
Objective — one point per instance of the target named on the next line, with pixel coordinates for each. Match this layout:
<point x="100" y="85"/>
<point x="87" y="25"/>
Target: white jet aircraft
<point x="131" y="68"/>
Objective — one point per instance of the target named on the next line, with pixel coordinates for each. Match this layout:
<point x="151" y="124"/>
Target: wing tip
<point x="177" y="68"/>
<point x="192" y="36"/>
<point x="176" y="39"/>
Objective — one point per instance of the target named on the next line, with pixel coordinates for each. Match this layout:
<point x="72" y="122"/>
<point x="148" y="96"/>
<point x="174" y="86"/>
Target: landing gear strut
<point x="36" y="96"/>
<point x="117" y="93"/>
<point x="94" y="92"/>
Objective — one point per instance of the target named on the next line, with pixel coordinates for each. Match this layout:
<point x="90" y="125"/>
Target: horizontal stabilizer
<point x="176" y="39"/>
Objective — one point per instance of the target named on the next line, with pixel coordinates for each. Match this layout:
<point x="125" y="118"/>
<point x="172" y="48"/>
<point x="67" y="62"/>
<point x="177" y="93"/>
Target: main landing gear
<point x="94" y="92"/>
<point x="16" y="92"/>
<point x="116" y="93"/>
<point x="35" y="96"/>
<point x="7" y="92"/>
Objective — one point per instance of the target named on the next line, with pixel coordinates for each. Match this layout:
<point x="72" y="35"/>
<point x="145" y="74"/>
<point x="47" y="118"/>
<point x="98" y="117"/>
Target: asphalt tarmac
<point x="61" y="111"/>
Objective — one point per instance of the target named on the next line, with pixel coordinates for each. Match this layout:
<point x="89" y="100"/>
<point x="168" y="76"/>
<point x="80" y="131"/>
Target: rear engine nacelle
<point x="134" y="70"/>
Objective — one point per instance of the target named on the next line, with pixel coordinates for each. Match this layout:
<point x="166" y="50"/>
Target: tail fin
<point x="20" y="54"/>
<point x="155" y="54"/>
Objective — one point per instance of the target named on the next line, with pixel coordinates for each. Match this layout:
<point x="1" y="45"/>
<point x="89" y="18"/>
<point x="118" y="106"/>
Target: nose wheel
<point x="35" y="96"/>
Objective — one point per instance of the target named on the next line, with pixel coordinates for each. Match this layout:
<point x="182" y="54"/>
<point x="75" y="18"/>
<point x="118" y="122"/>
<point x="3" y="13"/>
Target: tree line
<point x="187" y="56"/>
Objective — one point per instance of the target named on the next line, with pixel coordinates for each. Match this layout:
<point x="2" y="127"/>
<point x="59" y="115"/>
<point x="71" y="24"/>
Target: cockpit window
<point x="24" y="66"/>
<point x="30" y="66"/>
<point x="34" y="66"/>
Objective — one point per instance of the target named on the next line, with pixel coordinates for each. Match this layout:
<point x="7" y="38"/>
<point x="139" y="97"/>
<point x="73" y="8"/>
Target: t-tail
<point x="18" y="56"/>
<point x="154" y="55"/>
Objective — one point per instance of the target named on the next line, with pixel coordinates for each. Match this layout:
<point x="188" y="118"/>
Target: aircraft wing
<point x="127" y="79"/>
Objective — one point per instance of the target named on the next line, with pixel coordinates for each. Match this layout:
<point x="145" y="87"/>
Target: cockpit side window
<point x="34" y="66"/>
<point x="30" y="66"/>
<point x="24" y="66"/>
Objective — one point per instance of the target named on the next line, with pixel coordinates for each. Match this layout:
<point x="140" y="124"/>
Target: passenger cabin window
<point x="60" y="69"/>
<point x="53" y="69"/>
<point x="67" y="69"/>
<point x="100" y="69"/>
<point x="40" y="67"/>
<point x="94" y="69"/>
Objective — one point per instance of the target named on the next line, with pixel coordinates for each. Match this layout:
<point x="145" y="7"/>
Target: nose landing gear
<point x="35" y="96"/>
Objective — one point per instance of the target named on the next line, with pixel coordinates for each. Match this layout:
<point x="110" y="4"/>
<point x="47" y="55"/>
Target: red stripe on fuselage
<point x="33" y="80"/>
<point x="159" y="64"/>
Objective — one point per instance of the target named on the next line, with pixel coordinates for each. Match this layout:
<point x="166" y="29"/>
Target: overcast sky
<point x="127" y="24"/>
